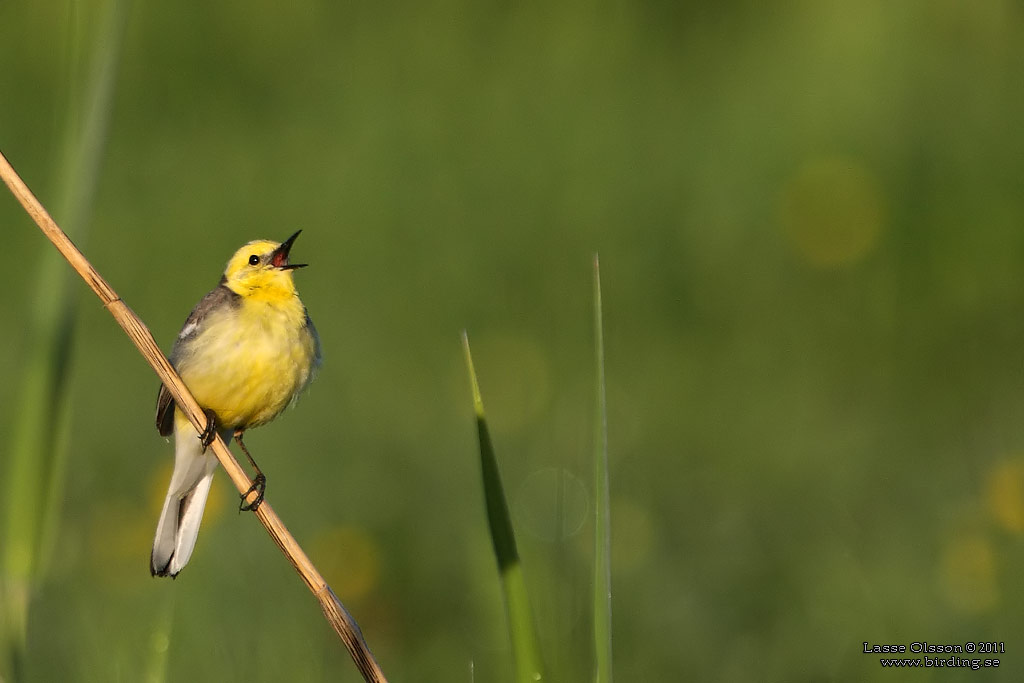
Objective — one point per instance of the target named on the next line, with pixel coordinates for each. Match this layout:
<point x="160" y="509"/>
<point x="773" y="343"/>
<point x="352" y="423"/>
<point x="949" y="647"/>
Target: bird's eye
<point x="254" y="260"/>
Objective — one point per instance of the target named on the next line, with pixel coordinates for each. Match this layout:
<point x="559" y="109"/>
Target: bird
<point x="246" y="352"/>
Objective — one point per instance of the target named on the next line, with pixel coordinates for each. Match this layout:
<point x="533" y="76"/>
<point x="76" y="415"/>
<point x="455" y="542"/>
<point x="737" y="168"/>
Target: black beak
<point x="279" y="257"/>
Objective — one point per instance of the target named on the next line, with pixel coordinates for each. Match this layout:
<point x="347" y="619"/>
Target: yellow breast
<point x="247" y="363"/>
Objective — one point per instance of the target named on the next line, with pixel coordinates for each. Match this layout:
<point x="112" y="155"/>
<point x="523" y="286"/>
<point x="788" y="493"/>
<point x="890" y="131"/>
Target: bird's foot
<point x="259" y="487"/>
<point x="210" y="431"/>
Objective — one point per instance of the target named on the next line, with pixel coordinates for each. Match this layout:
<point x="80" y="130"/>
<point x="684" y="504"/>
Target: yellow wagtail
<point x="246" y="352"/>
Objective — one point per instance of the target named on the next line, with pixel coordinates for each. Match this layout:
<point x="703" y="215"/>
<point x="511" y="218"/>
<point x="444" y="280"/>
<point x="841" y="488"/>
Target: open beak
<point x="279" y="257"/>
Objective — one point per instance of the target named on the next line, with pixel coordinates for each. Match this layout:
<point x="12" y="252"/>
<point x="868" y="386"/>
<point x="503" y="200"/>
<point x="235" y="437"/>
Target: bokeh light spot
<point x="552" y="504"/>
<point x="833" y="212"/>
<point x="119" y="539"/>
<point x="1005" y="495"/>
<point x="968" y="574"/>
<point x="348" y="557"/>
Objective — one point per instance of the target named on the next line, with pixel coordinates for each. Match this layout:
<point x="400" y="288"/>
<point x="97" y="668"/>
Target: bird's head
<point x="261" y="269"/>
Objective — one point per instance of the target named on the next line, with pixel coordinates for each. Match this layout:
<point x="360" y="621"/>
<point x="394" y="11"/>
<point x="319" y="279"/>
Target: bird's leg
<point x="259" y="482"/>
<point x="210" y="431"/>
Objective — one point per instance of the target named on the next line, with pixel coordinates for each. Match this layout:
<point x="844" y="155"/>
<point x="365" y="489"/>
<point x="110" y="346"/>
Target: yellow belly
<point x="247" y="364"/>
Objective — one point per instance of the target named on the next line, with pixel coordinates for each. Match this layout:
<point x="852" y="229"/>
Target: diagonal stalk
<point x="335" y="613"/>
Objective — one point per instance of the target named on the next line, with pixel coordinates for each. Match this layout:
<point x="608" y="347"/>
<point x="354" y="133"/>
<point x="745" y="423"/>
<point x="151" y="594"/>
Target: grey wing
<point x="220" y="296"/>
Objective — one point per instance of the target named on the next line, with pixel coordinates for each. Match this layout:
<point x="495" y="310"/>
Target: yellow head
<point x="261" y="269"/>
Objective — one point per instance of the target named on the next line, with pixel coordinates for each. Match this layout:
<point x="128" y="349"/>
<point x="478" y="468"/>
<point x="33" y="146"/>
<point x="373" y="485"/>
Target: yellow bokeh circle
<point x="1005" y="495"/>
<point x="833" y="212"/>
<point x="349" y="560"/>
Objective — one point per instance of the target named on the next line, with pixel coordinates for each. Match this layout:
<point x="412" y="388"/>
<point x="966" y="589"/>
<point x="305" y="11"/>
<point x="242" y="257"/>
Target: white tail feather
<point x="178" y="528"/>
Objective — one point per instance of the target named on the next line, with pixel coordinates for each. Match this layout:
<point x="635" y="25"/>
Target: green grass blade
<point x="83" y="155"/>
<point x="34" y="475"/>
<point x="602" y="528"/>
<point x="522" y="633"/>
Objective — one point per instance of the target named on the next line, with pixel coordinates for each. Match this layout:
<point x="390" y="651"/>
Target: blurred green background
<point x="811" y="224"/>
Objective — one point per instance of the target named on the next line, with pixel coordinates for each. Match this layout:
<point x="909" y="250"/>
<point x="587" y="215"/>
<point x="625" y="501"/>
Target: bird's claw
<point x="259" y="487"/>
<point x="210" y="431"/>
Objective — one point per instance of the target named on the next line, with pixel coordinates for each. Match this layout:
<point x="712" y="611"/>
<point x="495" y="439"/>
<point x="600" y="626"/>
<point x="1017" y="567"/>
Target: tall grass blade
<point x="602" y="521"/>
<point x="83" y="155"/>
<point x="37" y="458"/>
<point x="522" y="633"/>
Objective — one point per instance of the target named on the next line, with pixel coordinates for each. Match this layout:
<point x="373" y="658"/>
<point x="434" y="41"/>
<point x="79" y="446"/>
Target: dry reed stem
<point x="334" y="611"/>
